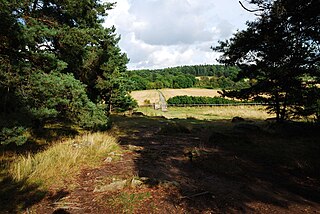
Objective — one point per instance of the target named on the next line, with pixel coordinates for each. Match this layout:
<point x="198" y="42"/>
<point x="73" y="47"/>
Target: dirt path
<point x="162" y="101"/>
<point x="169" y="167"/>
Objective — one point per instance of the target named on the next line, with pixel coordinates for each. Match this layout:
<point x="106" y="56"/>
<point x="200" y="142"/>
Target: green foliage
<point x="56" y="95"/>
<point x="114" y="88"/>
<point x="127" y="202"/>
<point x="140" y="83"/>
<point x="93" y="117"/>
<point x="309" y="104"/>
<point x="17" y="135"/>
<point x="53" y="55"/>
<point x="276" y="52"/>
<point x="182" y="100"/>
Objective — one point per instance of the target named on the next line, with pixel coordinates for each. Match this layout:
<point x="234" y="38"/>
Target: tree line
<point x="58" y="64"/>
<point x="196" y="100"/>
<point x="203" y="76"/>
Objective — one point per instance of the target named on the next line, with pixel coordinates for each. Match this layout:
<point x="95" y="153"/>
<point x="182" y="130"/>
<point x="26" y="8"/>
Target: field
<point x="210" y="113"/>
<point x="153" y="95"/>
<point x="201" y="113"/>
<point x="141" y="96"/>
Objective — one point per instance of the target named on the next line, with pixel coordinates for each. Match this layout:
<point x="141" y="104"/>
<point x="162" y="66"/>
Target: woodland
<point x="73" y="140"/>
<point x="59" y="64"/>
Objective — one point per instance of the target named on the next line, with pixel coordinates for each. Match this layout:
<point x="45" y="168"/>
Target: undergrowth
<point x="60" y="162"/>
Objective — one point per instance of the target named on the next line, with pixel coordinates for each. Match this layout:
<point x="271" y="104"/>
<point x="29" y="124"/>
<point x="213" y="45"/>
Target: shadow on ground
<point x="16" y="197"/>
<point x="219" y="166"/>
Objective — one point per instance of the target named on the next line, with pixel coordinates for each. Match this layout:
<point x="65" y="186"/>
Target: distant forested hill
<point x="203" y="76"/>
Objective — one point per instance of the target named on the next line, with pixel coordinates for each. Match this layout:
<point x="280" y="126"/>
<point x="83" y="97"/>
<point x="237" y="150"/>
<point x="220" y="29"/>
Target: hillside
<point x="202" y="76"/>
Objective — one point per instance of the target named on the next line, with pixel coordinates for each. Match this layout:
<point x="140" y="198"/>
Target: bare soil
<point x="190" y="166"/>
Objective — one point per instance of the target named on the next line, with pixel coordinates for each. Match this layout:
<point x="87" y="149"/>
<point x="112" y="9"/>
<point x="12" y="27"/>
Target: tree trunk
<point x="284" y="108"/>
<point x="5" y="101"/>
<point x="277" y="106"/>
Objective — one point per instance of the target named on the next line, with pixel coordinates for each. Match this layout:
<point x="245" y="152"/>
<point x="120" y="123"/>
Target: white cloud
<point x="163" y="33"/>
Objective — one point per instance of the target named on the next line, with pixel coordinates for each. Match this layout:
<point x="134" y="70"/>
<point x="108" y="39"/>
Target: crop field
<point x="190" y="92"/>
<point x="141" y="96"/>
<point x="153" y="95"/>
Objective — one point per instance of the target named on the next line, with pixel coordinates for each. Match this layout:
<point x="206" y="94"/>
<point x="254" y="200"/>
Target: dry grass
<point x="197" y="92"/>
<point x="153" y="95"/>
<point x="141" y="96"/>
<point x="210" y="113"/>
<point x="62" y="161"/>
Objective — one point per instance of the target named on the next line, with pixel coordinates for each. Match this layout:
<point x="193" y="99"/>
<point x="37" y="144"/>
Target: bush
<point x="46" y="97"/>
<point x="61" y="96"/>
<point x="93" y="118"/>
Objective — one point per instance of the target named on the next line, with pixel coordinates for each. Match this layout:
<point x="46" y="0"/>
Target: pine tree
<point x="52" y="54"/>
<point x="279" y="53"/>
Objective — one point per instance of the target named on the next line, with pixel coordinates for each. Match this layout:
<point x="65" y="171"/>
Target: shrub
<point x="16" y="134"/>
<point x="56" y="95"/>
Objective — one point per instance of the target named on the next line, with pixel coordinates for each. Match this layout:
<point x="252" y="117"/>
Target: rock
<point x="136" y="182"/>
<point x="108" y="160"/>
<point x="117" y="185"/>
<point x="137" y="114"/>
<point x="144" y="179"/>
<point x="168" y="184"/>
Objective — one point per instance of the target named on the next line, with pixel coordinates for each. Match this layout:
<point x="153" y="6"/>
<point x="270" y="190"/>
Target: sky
<point x="167" y="33"/>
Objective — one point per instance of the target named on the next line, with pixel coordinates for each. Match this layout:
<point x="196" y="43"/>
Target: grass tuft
<point x="63" y="160"/>
<point x="127" y="202"/>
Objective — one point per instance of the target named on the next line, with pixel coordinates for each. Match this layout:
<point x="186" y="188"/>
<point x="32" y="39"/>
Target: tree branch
<point x="34" y="6"/>
<point x="251" y="11"/>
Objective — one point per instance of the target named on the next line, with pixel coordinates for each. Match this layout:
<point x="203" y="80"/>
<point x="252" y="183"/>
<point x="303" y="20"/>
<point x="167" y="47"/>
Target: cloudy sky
<point x="167" y="33"/>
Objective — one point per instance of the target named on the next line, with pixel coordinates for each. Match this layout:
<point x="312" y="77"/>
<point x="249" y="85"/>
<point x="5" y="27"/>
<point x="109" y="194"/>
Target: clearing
<point x="196" y="166"/>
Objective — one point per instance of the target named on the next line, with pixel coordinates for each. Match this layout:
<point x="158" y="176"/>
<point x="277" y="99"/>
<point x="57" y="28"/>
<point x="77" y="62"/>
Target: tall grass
<point x="62" y="161"/>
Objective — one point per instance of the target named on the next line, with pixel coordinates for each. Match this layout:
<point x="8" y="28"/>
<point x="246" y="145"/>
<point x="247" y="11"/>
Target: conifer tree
<point x="279" y="52"/>
<point x="52" y="54"/>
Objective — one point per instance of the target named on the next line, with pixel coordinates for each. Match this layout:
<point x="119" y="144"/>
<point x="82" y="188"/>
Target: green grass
<point x="127" y="202"/>
<point x="63" y="160"/>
